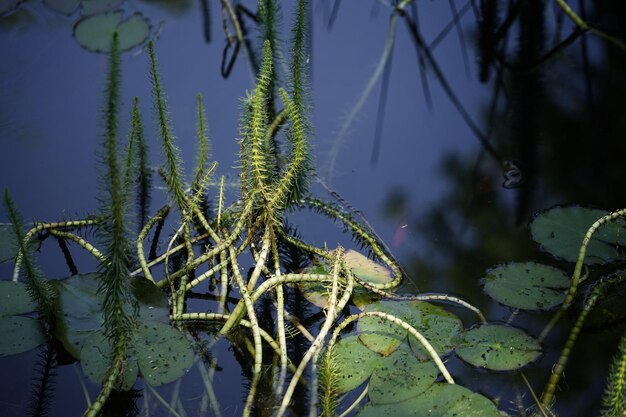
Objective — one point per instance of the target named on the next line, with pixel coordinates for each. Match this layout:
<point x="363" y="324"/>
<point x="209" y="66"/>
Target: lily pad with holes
<point x="400" y="376"/>
<point x="440" y="400"/>
<point x="19" y="334"/>
<point x="560" y="232"/>
<point x="163" y="353"/>
<point x="497" y="347"/>
<point x="96" y="357"/>
<point x="368" y="271"/>
<point x="363" y="267"/>
<point x="526" y="285"/>
<point x="160" y="352"/>
<point x="8" y="243"/>
<point x="79" y="308"/>
<point x="610" y="308"/>
<point x="437" y="325"/>
<point x="14" y="299"/>
<point x="355" y="363"/>
<point x="393" y="378"/>
<point x="95" y="32"/>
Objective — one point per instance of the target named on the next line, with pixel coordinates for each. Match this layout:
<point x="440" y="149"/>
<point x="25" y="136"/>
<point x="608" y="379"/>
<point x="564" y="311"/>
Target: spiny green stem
<point x="36" y="285"/>
<point x="81" y="242"/>
<point x="40" y="227"/>
<point x="614" y="398"/>
<point x="169" y="143"/>
<point x="361" y="233"/>
<point x="258" y="350"/>
<point x="333" y="309"/>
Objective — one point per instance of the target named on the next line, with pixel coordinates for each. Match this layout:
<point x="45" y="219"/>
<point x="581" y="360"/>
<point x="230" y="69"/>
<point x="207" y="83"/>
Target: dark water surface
<point x="435" y="195"/>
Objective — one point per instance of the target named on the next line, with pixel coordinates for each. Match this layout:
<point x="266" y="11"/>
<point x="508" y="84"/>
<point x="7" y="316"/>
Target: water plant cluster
<point x="238" y="270"/>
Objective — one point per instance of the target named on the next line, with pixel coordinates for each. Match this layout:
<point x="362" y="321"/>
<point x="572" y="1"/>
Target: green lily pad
<point x="610" y="308"/>
<point x="63" y="6"/>
<point x="95" y="32"/>
<point x="162" y="352"/>
<point x="8" y="243"/>
<point x="560" y="232"/>
<point x="497" y="347"/>
<point x="526" y="285"/>
<point x="400" y="376"/>
<point x="14" y="299"/>
<point x="79" y="308"/>
<point x="368" y="271"/>
<point x="95" y="360"/>
<point x="437" y="325"/>
<point x="159" y="351"/>
<point x="315" y="293"/>
<point x="355" y="363"/>
<point x="90" y="7"/>
<point x="440" y="400"/>
<point x="19" y="334"/>
<point x="362" y="267"/>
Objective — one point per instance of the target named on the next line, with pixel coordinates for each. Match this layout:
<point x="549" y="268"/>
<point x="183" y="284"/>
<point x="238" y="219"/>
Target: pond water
<point x="447" y="207"/>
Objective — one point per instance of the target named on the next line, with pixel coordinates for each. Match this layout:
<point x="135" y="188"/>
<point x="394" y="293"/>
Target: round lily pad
<point x="497" y="347"/>
<point x="95" y="32"/>
<point x="400" y="376"/>
<point x="8" y="243"/>
<point x="355" y="363"/>
<point x="361" y="266"/>
<point x="19" y="334"/>
<point x="610" y="308"/>
<point x="368" y="271"/>
<point x="526" y="285"/>
<point x="440" y="400"/>
<point x="96" y="358"/>
<point x="79" y="308"/>
<point x="560" y="232"/>
<point x="162" y="352"/>
<point x="14" y="299"/>
<point x="437" y="325"/>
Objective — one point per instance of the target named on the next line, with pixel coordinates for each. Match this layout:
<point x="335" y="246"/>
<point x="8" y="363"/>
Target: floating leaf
<point x="14" y="299"/>
<point x="362" y="267"/>
<point x="95" y="32"/>
<point x="440" y="400"/>
<point x="437" y="325"/>
<point x="400" y="376"/>
<point x="90" y="7"/>
<point x="315" y="293"/>
<point x="527" y="285"/>
<point x="162" y="352"/>
<point x="560" y="231"/>
<point x="610" y="309"/>
<point x="95" y="359"/>
<point x="63" y="6"/>
<point x="78" y="312"/>
<point x="19" y="334"/>
<point x="79" y="309"/>
<point x="355" y="362"/>
<point x="368" y="271"/>
<point x="8" y="243"/>
<point x="497" y="347"/>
